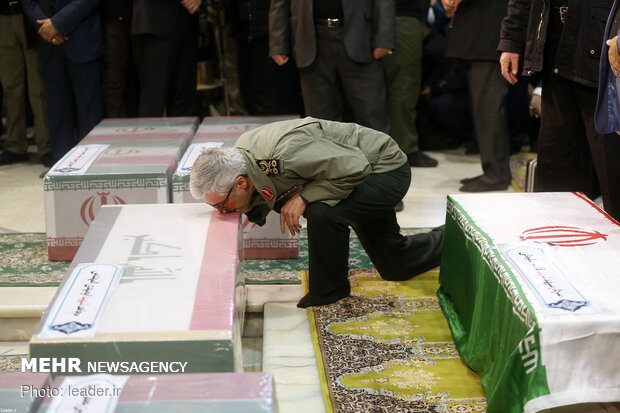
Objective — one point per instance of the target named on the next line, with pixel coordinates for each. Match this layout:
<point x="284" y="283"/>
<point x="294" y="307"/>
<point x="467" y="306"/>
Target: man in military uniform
<point x="337" y="175"/>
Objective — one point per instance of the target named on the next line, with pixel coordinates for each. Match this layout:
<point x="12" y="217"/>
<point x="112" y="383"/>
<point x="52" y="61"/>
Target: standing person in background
<point x="563" y="42"/>
<point x="403" y="71"/>
<point x="473" y="37"/>
<point x="20" y="66"/>
<point x="267" y="89"/>
<point x="165" y="41"/>
<point x="70" y="46"/>
<point x="119" y="91"/>
<point x="336" y="41"/>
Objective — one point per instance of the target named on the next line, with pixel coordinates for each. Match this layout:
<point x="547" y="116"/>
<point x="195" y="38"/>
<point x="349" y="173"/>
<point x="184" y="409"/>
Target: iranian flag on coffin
<point x="266" y="242"/>
<point x="112" y="172"/>
<point x="151" y="283"/>
<point x="530" y="286"/>
<point x="138" y="129"/>
<point x="19" y="392"/>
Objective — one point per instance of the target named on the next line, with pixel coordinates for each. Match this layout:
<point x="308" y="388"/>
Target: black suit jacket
<point x="79" y="20"/>
<point x="155" y="17"/>
<point x="475" y="30"/>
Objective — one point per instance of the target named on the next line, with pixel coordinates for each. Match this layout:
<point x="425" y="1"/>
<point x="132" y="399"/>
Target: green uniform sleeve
<point x="333" y="169"/>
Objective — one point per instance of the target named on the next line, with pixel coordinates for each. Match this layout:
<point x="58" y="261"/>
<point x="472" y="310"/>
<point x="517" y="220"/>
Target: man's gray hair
<point x="215" y="171"/>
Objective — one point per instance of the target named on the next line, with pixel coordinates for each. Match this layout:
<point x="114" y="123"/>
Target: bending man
<point x="337" y="175"/>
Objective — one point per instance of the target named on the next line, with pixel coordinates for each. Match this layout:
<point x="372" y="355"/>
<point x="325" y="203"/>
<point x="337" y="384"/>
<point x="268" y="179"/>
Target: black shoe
<point x="479" y="186"/>
<point x="313" y="300"/>
<point x="46" y="160"/>
<point x="399" y="207"/>
<point x="8" y="157"/>
<point x="468" y="180"/>
<point x="421" y="160"/>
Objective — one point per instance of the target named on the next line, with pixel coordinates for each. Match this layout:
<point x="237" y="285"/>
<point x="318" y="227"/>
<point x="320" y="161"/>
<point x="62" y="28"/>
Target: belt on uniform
<point x="11" y="8"/>
<point x="563" y="11"/>
<point x="331" y="23"/>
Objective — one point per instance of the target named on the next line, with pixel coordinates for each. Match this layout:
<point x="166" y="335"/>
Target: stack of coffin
<point x="188" y="393"/>
<point x="121" y="161"/>
<point x="21" y="392"/>
<point x="264" y="242"/>
<point x="150" y="283"/>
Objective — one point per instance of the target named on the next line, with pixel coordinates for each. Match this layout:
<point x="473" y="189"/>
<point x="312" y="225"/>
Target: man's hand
<point x="450" y="6"/>
<point x="48" y="32"/>
<point x="379" y="52"/>
<point x="290" y="213"/>
<point x="280" y="59"/>
<point x="191" y="5"/>
<point x="614" y="55"/>
<point x="509" y="63"/>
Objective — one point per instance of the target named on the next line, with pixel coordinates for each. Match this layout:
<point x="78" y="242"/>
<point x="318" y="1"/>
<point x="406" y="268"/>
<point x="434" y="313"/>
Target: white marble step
<point x="289" y="355"/>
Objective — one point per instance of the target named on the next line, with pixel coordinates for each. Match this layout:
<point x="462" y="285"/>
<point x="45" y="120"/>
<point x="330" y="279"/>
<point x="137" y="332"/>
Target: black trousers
<point x="489" y="91"/>
<point x="74" y="102"/>
<point x="363" y="84"/>
<point x="572" y="156"/>
<point x="167" y="69"/>
<point x="369" y="210"/>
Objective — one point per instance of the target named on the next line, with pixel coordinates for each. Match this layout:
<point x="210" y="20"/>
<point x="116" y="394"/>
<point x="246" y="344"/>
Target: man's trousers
<point x="369" y="210"/>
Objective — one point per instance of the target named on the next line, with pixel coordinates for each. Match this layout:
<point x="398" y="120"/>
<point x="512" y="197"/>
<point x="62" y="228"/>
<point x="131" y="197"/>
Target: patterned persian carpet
<point x="23" y="261"/>
<point x="388" y="348"/>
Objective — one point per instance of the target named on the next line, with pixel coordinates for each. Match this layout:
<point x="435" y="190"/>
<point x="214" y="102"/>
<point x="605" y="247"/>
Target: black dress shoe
<point x="479" y="186"/>
<point x="468" y="180"/>
<point x="421" y="160"/>
<point x="399" y="207"/>
<point x="8" y="157"/>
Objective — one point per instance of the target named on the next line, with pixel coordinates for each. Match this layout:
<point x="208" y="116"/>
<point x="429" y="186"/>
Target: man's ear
<point x="242" y="182"/>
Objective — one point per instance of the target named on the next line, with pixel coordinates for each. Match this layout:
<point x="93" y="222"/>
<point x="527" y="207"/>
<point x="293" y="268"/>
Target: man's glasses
<point x="222" y="205"/>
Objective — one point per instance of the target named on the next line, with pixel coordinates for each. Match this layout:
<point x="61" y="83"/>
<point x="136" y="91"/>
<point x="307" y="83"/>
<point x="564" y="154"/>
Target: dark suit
<point x="474" y="37"/>
<point x="71" y="70"/>
<point x="165" y="40"/>
<point x="327" y="55"/>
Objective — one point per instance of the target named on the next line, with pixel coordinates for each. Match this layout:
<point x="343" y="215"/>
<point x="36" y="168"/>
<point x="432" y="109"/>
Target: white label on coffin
<point x="138" y="130"/>
<point x="192" y="153"/>
<point x="79" y="308"/>
<point x="163" y="261"/>
<point x="78" y="160"/>
<point x="241" y="127"/>
<point x="97" y="393"/>
<point x="551" y="286"/>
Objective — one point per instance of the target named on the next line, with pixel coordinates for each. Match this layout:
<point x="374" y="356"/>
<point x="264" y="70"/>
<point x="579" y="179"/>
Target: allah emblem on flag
<point x="563" y="236"/>
<point x="93" y="203"/>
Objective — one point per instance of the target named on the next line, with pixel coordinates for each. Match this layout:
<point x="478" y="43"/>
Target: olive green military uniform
<point x="348" y="176"/>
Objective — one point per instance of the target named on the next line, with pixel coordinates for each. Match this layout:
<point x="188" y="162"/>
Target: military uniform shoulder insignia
<point x="270" y="166"/>
<point x="267" y="193"/>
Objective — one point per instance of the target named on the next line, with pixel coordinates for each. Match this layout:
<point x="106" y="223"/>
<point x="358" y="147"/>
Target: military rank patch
<point x="267" y="193"/>
<point x="287" y="192"/>
<point x="269" y="166"/>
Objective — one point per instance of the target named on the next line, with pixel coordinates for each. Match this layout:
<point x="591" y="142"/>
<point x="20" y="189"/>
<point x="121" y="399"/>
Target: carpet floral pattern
<point x="23" y="261"/>
<point x="388" y="348"/>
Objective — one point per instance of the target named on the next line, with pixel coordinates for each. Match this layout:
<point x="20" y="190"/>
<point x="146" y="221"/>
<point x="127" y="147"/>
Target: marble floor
<point x="277" y="336"/>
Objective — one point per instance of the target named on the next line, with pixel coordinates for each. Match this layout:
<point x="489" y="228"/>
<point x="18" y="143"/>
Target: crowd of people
<point x="430" y="73"/>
